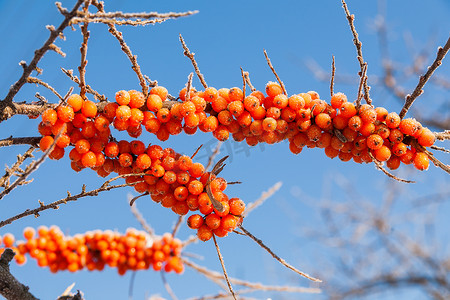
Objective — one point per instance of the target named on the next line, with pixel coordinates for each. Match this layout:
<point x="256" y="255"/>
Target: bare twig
<point x="190" y="55"/>
<point x="140" y="218"/>
<point x="360" y="86"/>
<point x="167" y="287"/>
<point x="213" y="155"/>
<point x="442" y="136"/>
<point x="252" y="285"/>
<point x="275" y="73"/>
<point x="33" y="141"/>
<point x="333" y="72"/>
<point x="177" y="225"/>
<point x="44" y="84"/>
<point x="137" y="197"/>
<point x="381" y="168"/>
<point x="442" y="51"/>
<point x="282" y="261"/>
<point x="264" y="196"/>
<point x="55" y="205"/>
<point x="89" y="89"/>
<point x="243" y="81"/>
<point x="437" y="162"/>
<point x="15" y="169"/>
<point x="223" y="266"/>
<point x="30" y="168"/>
<point x="247" y="80"/>
<point x="358" y="45"/>
<point x="133" y="58"/>
<point x="83" y="50"/>
<point x="38" y="54"/>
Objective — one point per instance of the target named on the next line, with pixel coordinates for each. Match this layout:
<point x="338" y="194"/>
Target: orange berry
<point x="269" y="124"/>
<point x="313" y="133"/>
<point x="355" y="123"/>
<point x="122" y="97"/>
<point x="393" y="163"/>
<point x="204" y="233"/>
<point x="421" y="161"/>
<point x="323" y="120"/>
<point x="259" y="113"/>
<point x="426" y="138"/>
<point x="337" y="100"/>
<point x="382" y="154"/>
<point x="49" y="117"/>
<point x="273" y="89"/>
<point x="348" y="110"/>
<point x="89" y="109"/>
<point x="8" y="240"/>
<point x="228" y="223"/>
<point x="154" y="102"/>
<point x="393" y="120"/>
<point x="197" y="170"/>
<point x="237" y="206"/>
<point x="336" y="143"/>
<point x="374" y="141"/>
<point x="137" y="99"/>
<point x="399" y="149"/>
<point x="381" y="114"/>
<point x="65" y="113"/>
<point x="340" y="122"/>
<point x="123" y="112"/>
<point x="409" y="126"/>
<point x="369" y="115"/>
<point x="367" y="129"/>
<point x="89" y="159"/>
<point x="408" y="157"/>
<point x="235" y="94"/>
<point x="46" y="142"/>
<point x="251" y="103"/>
<point x="160" y="91"/>
<point x="210" y="124"/>
<point x="212" y="221"/>
<point x="236" y="108"/>
<point x="280" y="101"/>
<point x="296" y="102"/>
<point x="210" y="94"/>
<point x="75" y="101"/>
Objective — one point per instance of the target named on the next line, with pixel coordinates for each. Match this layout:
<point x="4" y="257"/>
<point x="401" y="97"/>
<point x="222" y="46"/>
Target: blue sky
<point x="225" y="35"/>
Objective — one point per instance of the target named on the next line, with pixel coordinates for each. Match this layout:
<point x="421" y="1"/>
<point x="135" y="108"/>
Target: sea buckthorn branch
<point x="274" y="72"/>
<point x="222" y="263"/>
<point x="177" y="225"/>
<point x="93" y="250"/>
<point x="442" y="136"/>
<point x="252" y="286"/>
<point x="280" y="260"/>
<point x="15" y="169"/>
<point x="10" y="287"/>
<point x="358" y="45"/>
<point x="38" y="54"/>
<point x="133" y="58"/>
<point x="190" y="55"/>
<point x="410" y="98"/>
<point x="55" y="205"/>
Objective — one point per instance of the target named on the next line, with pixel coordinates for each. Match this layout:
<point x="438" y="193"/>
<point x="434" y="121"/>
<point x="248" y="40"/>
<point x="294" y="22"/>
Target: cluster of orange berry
<point x="94" y="250"/>
<point x="170" y="178"/>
